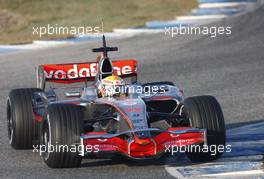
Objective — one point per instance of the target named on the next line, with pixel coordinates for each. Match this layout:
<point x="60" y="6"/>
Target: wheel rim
<point x="10" y="123"/>
<point x="45" y="140"/>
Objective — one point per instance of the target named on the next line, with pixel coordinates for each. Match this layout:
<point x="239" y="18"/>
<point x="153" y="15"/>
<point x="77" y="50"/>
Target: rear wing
<point x="81" y="72"/>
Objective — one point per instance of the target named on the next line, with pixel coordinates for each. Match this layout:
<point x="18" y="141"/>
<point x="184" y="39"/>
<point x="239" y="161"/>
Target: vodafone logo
<point x="76" y="71"/>
<point x="72" y="72"/>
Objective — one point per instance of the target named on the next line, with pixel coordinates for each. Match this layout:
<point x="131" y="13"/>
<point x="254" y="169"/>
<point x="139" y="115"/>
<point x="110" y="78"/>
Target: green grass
<point x="18" y="17"/>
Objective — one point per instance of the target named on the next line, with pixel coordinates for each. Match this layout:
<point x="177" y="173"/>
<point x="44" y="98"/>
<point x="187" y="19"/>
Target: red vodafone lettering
<point x="84" y="70"/>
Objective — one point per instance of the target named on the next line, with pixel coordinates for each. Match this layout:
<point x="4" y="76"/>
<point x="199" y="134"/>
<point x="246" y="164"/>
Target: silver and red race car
<point x="68" y="123"/>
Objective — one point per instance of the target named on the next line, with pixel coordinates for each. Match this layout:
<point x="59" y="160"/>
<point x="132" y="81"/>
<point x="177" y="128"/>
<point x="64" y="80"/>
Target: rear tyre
<point x="205" y="112"/>
<point x="60" y="136"/>
<point x="160" y="83"/>
<point x="23" y="129"/>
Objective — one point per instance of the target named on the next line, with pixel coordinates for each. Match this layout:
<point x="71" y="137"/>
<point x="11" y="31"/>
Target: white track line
<point x="36" y="45"/>
<point x="202" y="17"/>
<point x="174" y="172"/>
<point x="223" y="5"/>
<point x="237" y="173"/>
<point x="137" y="31"/>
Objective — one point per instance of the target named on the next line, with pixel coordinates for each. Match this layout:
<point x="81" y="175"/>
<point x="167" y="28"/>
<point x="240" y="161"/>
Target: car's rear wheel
<point x="60" y="136"/>
<point x="205" y="112"/>
<point x="22" y="128"/>
<point x="160" y="83"/>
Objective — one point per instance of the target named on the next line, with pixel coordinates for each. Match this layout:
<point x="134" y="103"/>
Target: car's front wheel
<point x="205" y="112"/>
<point x="60" y="136"/>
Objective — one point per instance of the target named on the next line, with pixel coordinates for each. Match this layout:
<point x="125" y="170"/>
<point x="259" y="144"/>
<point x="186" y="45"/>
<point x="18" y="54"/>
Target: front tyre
<point x="204" y="112"/>
<point x="60" y="136"/>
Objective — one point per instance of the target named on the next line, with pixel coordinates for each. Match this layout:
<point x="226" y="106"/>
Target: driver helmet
<point x="112" y="86"/>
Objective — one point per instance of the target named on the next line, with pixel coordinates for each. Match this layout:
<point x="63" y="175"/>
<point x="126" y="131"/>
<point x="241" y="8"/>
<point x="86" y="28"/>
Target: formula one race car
<point x="110" y="114"/>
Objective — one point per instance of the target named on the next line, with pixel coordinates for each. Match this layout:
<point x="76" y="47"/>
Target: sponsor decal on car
<point x="84" y="70"/>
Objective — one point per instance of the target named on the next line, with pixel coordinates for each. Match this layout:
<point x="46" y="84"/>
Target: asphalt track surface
<point x="228" y="67"/>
